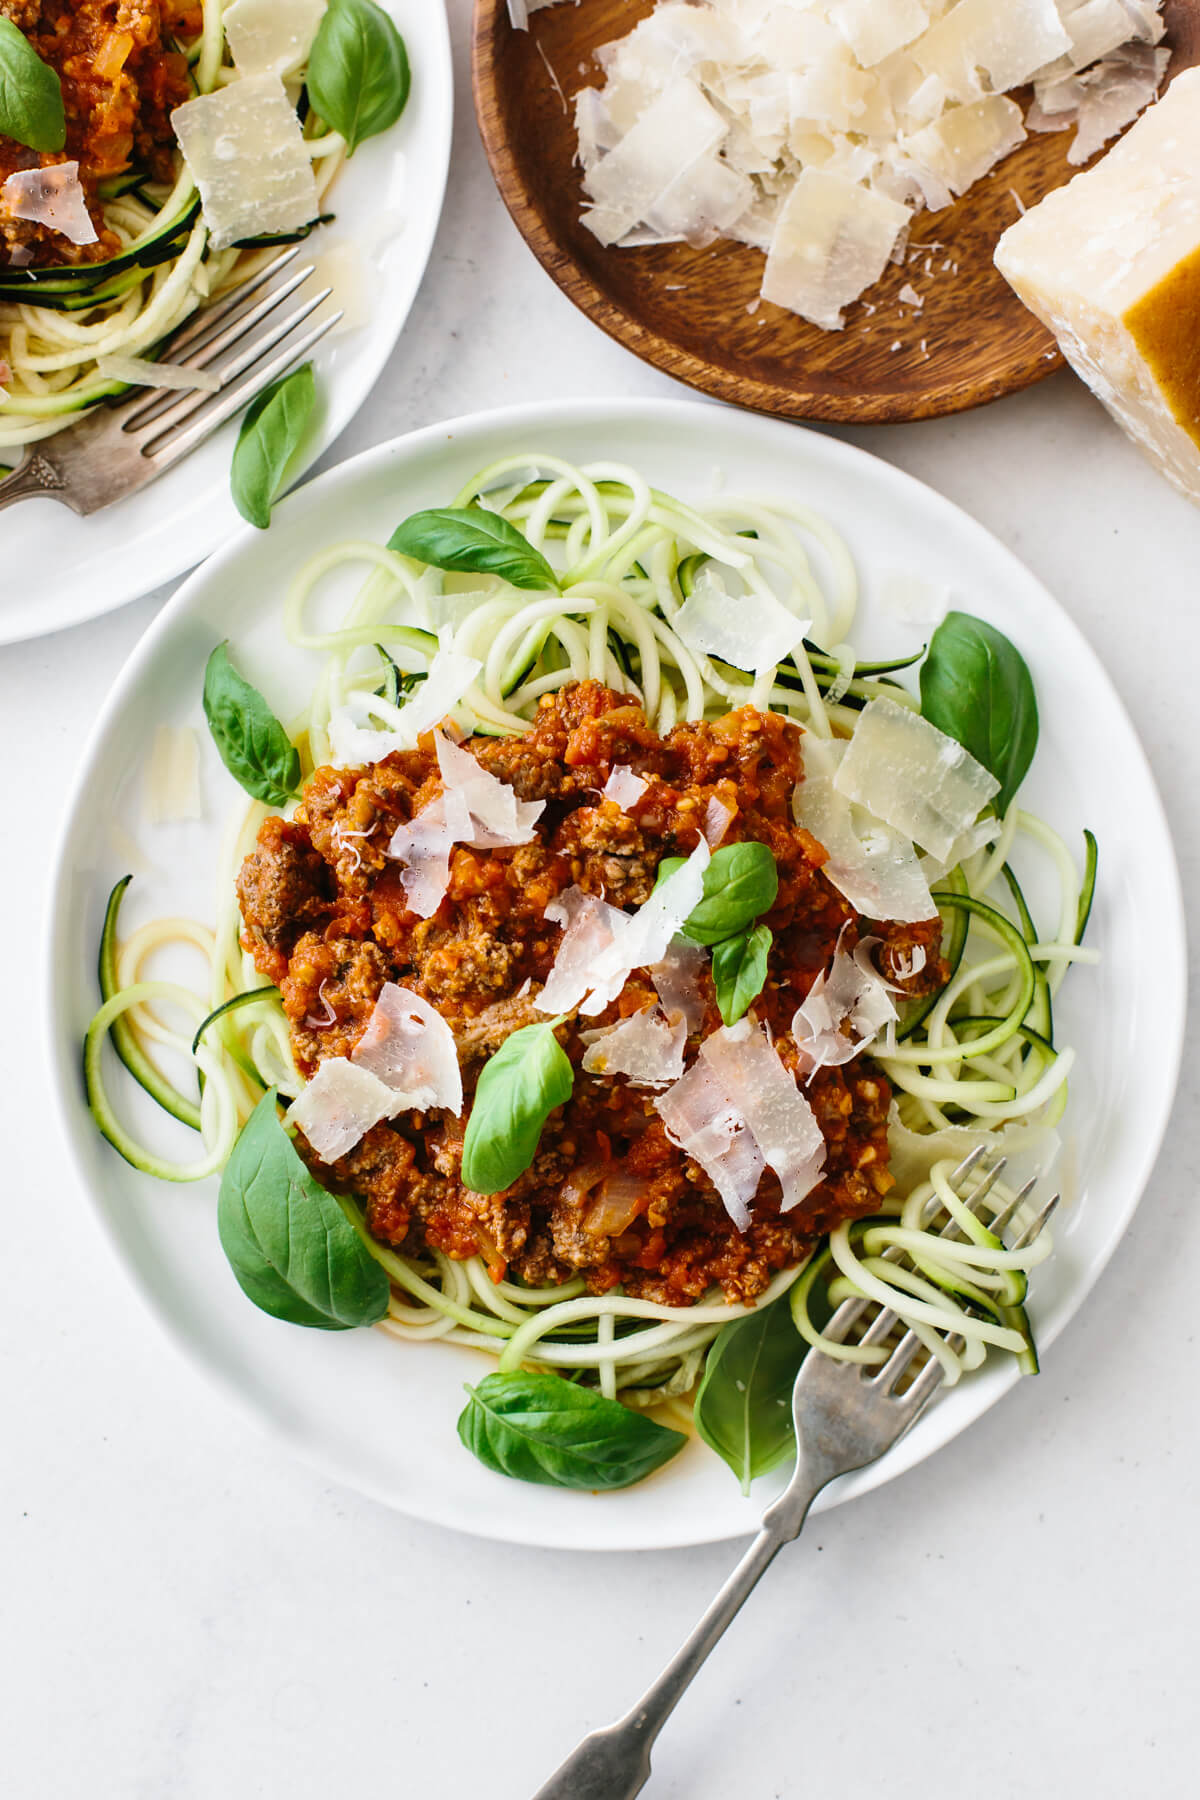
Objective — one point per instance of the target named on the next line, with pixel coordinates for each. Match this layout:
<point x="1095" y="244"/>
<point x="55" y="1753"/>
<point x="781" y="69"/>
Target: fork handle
<point x="35" y="477"/>
<point x="614" y="1763"/>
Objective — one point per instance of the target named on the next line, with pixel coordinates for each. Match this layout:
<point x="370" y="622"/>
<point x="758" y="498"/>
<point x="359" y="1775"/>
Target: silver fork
<point x="247" y="338"/>
<point x="846" y="1415"/>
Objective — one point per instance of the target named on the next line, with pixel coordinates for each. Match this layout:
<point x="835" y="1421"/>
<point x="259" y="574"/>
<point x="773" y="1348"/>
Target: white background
<point x="185" y="1614"/>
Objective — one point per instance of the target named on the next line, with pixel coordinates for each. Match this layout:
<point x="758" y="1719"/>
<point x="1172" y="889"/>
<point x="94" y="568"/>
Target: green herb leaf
<point x="541" y="1428"/>
<point x="31" y="102"/>
<point x="740" y="882"/>
<point x="253" y="744"/>
<point x="358" y="74"/>
<point x="744" y="1403"/>
<point x="269" y="438"/>
<point x="739" y="967"/>
<point x="466" y="538"/>
<point x="976" y="688"/>
<point x="290" y="1243"/>
<point x="527" y="1078"/>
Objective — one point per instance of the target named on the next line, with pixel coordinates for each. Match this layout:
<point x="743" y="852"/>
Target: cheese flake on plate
<point x="271" y="37"/>
<point x="877" y="869"/>
<point x="777" y="1115"/>
<point x="245" y="148"/>
<point x="913" y="777"/>
<point x="646" y="1048"/>
<point x="52" y="197"/>
<point x="624" y="786"/>
<point x="410" y="1047"/>
<point x="851" y="992"/>
<point x="749" y="631"/>
<point x="703" y="1122"/>
<point x="337" y="1108"/>
<point x="875" y="28"/>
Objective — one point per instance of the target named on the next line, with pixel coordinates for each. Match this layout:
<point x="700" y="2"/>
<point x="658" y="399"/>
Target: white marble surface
<point x="186" y="1614"/>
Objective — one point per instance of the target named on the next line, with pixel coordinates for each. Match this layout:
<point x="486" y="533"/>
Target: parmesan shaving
<point x="498" y="818"/>
<point x="340" y="1104"/>
<point x="602" y="946"/>
<point x="410" y="1047"/>
<point x="913" y="777"/>
<point x="139" y="371"/>
<point x="245" y="148"/>
<point x="704" y="1123"/>
<point x="778" y="1117"/>
<point x="52" y="197"/>
<point x="271" y="37"/>
<point x="677" y="980"/>
<point x="354" y="740"/>
<point x="645" y="1048"/>
<point x="851" y="993"/>
<point x="753" y="631"/>
<point x="624" y="787"/>
<point x="876" y="869"/>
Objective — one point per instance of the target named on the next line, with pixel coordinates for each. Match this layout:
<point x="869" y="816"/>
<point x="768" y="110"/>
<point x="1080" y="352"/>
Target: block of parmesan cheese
<point x="1111" y="263"/>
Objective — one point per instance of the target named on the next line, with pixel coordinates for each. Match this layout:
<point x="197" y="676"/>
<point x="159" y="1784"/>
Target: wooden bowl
<point x="696" y="314"/>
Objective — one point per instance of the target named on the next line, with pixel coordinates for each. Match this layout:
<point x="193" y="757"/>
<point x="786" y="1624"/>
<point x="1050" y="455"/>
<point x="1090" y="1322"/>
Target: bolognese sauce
<point x="326" y="918"/>
<point x="122" y="74"/>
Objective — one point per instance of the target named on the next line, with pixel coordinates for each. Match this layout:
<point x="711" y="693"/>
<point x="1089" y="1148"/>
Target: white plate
<point x="60" y="569"/>
<point x="381" y="1415"/>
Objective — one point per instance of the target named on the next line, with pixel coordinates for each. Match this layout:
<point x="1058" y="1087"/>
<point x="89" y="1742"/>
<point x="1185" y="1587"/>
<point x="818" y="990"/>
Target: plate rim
<point x="62" y="1053"/>
<point x="81" y="610"/>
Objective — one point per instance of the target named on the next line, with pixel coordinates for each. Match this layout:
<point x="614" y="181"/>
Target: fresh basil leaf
<point x="739" y="967"/>
<point x="290" y="1243"/>
<point x="519" y="1088"/>
<point x="538" y="1427"/>
<point x="358" y="74"/>
<point x="744" y="1402"/>
<point x="740" y="882"/>
<point x="466" y="538"/>
<point x="31" y="102"/>
<point x="975" y="687"/>
<point x="253" y="744"/>
<point x="269" y="438"/>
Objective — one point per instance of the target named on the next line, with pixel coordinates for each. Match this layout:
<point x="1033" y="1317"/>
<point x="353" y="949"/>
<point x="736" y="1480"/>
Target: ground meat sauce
<point x="325" y="918"/>
<point x="122" y="73"/>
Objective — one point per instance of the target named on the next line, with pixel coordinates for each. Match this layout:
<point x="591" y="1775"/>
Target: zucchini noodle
<point x="975" y="1063"/>
<point x="162" y="272"/>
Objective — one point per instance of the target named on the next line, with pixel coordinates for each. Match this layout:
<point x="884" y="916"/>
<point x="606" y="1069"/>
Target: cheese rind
<point x="1111" y="263"/>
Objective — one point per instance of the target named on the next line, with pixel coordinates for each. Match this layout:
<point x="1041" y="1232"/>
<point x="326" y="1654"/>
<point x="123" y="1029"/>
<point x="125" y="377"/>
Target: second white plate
<point x="60" y="570"/>
<point x="381" y="1415"/>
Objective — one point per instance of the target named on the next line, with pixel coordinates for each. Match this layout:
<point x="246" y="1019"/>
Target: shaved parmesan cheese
<point x="52" y="197"/>
<point x="139" y="371"/>
<point x="271" y="36"/>
<point x="714" y="114"/>
<point x="354" y="740"/>
<point x="704" y="1123"/>
<point x="677" y="982"/>
<point x="967" y="141"/>
<point x="410" y="1047"/>
<point x="1112" y="97"/>
<point x="851" y="993"/>
<point x="244" y="146"/>
<point x="876" y="869"/>
<point x="1010" y="42"/>
<point x="776" y="1113"/>
<point x="913" y="777"/>
<point x="645" y="1048"/>
<point x="675" y="131"/>
<point x="624" y="787"/>
<point x="337" y="1108"/>
<point x="873" y="30"/>
<point x="833" y="240"/>
<point x="752" y="631"/>
<point x="424" y="846"/>
<point x="602" y="945"/>
<point x="498" y="818"/>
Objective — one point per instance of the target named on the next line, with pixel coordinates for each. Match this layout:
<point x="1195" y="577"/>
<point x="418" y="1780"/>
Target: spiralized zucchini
<point x="976" y="1063"/>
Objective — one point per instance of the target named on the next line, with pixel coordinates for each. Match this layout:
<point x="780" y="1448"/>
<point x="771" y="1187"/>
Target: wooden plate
<point x="696" y="313"/>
